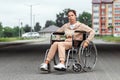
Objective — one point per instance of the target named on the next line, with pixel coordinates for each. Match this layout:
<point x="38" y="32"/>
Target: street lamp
<point x="33" y="21"/>
<point x="31" y="17"/>
<point x="31" y="14"/>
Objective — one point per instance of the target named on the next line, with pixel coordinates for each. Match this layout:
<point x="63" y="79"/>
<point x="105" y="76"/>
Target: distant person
<point x="68" y="28"/>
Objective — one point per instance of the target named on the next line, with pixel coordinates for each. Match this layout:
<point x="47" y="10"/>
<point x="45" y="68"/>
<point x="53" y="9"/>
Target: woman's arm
<point x="89" y="30"/>
<point x="60" y="30"/>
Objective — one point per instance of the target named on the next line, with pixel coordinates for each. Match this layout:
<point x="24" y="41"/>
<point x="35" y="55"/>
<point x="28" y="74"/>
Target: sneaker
<point x="44" y="67"/>
<point x="60" y="67"/>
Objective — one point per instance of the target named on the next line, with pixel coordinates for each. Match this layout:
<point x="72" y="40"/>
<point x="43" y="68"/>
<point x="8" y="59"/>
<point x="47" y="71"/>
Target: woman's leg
<point x="62" y="46"/>
<point x="52" y="52"/>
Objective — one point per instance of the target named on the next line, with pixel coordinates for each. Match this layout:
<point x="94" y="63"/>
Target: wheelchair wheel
<point x="87" y="56"/>
<point x="76" y="67"/>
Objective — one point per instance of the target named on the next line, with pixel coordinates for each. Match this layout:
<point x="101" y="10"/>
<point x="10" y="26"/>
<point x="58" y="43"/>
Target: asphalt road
<point x="20" y="62"/>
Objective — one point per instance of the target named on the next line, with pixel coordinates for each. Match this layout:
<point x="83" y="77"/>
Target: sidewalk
<point x="100" y="41"/>
<point x="18" y="42"/>
<point x="45" y="41"/>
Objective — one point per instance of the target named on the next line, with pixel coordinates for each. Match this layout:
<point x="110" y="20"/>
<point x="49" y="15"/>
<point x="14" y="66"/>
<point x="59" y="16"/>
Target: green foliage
<point x="49" y="23"/>
<point x="37" y="27"/>
<point x="85" y="18"/>
<point x="8" y="39"/>
<point x="62" y="18"/>
<point x="27" y="28"/>
<point x="109" y="38"/>
<point x="110" y="27"/>
<point x="8" y="32"/>
<point x="1" y="29"/>
<point x="1" y="26"/>
<point x="16" y="31"/>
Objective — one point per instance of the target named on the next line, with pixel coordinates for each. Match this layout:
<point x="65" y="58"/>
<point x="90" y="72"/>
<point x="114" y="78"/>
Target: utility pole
<point x="31" y="17"/>
<point x="31" y="14"/>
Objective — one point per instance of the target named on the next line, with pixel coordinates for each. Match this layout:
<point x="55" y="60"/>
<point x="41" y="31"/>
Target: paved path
<point x="21" y="63"/>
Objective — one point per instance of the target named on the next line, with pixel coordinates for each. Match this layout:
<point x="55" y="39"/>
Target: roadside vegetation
<point x="10" y="39"/>
<point x="108" y="38"/>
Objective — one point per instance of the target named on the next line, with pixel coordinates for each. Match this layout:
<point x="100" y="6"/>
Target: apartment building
<point x="106" y="17"/>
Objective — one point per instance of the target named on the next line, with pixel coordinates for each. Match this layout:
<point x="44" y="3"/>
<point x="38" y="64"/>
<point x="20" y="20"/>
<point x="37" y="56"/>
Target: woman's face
<point x="72" y="17"/>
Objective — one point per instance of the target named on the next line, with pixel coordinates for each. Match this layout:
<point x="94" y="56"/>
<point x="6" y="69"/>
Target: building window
<point x="103" y="24"/>
<point x="110" y="24"/>
<point x="109" y="5"/>
<point x="95" y="17"/>
<point x="117" y="17"/>
<point x="110" y="18"/>
<point x="103" y="30"/>
<point x="95" y="11"/>
<point x="110" y="29"/>
<point x="117" y="11"/>
<point x="117" y="5"/>
<point x="117" y="24"/>
<point x="96" y="5"/>
<point x="103" y="6"/>
<point x="103" y="13"/>
<point x="103" y="18"/>
<point x="96" y="23"/>
<point x="110" y="12"/>
<point x="117" y="29"/>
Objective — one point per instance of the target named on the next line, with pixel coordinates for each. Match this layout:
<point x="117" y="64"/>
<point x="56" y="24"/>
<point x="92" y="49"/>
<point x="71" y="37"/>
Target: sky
<point x="13" y="12"/>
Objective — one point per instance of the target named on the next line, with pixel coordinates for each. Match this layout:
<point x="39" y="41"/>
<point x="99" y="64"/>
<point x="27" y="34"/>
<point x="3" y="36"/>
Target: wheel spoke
<point x="88" y="56"/>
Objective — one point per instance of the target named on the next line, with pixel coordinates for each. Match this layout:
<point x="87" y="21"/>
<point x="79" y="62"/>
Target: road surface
<point x="20" y="62"/>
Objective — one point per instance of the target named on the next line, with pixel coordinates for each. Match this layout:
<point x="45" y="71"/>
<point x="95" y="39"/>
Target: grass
<point x="10" y="39"/>
<point x="108" y="38"/>
<point x="105" y="38"/>
<point x="15" y="38"/>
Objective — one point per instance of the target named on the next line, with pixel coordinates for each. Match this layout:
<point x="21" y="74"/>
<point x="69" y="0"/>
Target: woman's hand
<point x="85" y="44"/>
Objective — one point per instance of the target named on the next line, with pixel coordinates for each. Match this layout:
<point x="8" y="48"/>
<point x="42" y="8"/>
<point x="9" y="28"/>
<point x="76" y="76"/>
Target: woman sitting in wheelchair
<point x="69" y="29"/>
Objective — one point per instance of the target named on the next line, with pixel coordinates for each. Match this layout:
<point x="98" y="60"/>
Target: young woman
<point x="69" y="29"/>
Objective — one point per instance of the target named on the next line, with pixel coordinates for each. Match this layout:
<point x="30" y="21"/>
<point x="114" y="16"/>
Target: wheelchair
<point x="78" y="58"/>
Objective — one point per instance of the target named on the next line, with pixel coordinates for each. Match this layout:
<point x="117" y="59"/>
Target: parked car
<point x="31" y="35"/>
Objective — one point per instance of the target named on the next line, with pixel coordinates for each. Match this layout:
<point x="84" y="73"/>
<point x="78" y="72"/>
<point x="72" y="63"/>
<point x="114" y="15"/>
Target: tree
<point x="37" y="27"/>
<point x="62" y="18"/>
<point x="16" y="31"/>
<point x="1" y="26"/>
<point x="49" y="23"/>
<point x="27" y="28"/>
<point x="111" y="28"/>
<point x="1" y="29"/>
<point x="85" y="18"/>
<point x="8" y="32"/>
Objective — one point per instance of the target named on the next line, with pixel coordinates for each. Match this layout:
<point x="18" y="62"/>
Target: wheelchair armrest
<point x="58" y="40"/>
<point x="58" y="33"/>
<point x="85" y="34"/>
<point x="78" y="31"/>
